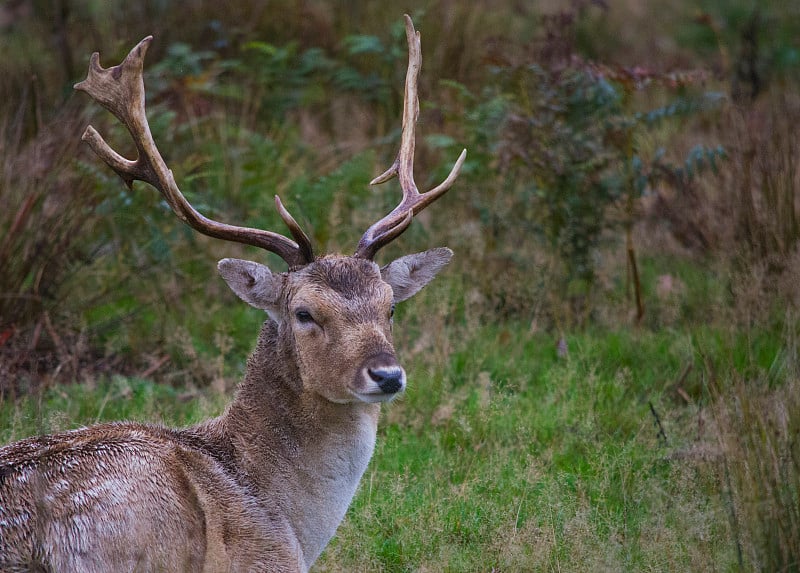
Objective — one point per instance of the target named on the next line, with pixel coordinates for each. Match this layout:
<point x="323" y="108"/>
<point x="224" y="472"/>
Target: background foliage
<point x="608" y="372"/>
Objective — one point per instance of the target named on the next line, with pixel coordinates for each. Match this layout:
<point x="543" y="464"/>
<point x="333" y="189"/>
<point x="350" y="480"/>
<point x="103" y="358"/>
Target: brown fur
<point x="260" y="488"/>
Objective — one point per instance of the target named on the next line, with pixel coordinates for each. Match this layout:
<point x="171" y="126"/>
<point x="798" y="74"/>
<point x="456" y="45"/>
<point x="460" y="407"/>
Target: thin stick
<point x="662" y="435"/>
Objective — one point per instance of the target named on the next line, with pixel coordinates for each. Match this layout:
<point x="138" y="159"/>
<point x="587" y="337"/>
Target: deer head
<point x="336" y="308"/>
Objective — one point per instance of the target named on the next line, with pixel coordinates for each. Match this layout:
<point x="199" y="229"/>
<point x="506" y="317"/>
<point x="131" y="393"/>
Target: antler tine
<point x="120" y="89"/>
<point x="392" y="225"/>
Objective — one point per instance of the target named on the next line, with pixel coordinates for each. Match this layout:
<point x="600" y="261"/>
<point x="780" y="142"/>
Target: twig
<point x="634" y="273"/>
<point x="662" y="435"/>
<point x="153" y="367"/>
<point x="679" y="384"/>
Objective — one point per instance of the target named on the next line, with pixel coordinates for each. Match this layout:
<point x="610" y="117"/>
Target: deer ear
<point x="253" y="283"/>
<point x="407" y="275"/>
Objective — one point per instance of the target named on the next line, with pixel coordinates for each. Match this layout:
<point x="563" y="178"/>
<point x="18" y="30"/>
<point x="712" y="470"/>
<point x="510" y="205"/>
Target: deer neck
<point x="307" y="452"/>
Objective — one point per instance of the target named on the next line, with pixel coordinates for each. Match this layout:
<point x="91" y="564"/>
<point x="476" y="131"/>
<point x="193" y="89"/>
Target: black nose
<point x="389" y="380"/>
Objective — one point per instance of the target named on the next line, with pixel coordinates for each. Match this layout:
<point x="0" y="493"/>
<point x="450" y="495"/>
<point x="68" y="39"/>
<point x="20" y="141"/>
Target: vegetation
<point x="606" y="379"/>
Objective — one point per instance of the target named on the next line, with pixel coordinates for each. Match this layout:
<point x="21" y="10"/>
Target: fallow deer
<point x="264" y="486"/>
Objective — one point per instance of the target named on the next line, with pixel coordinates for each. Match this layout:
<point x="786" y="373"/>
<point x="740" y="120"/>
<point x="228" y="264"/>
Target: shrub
<point x="574" y="159"/>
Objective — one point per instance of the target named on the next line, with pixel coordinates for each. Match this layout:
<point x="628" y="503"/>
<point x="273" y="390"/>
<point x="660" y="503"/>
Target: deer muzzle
<point x="380" y="378"/>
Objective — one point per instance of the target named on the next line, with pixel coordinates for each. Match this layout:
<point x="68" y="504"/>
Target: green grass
<point x="510" y="459"/>
<point x="66" y="407"/>
<point x="502" y="456"/>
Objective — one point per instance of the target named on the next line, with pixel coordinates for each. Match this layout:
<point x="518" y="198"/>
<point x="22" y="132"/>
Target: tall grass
<point x="48" y="210"/>
<point x="760" y="469"/>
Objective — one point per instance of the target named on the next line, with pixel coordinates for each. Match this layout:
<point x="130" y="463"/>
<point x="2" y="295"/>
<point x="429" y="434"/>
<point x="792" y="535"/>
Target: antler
<point x="120" y="90"/>
<point x="393" y="224"/>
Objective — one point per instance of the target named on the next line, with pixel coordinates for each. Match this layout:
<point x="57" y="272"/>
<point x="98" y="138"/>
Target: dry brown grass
<point x="48" y="211"/>
<point x="760" y="466"/>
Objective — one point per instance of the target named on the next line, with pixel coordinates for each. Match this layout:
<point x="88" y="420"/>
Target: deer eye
<point x="303" y="316"/>
<point x="391" y="312"/>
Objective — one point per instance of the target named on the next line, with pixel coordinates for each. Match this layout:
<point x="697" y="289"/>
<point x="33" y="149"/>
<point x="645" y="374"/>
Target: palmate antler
<point x="120" y="90"/>
<point x="398" y="220"/>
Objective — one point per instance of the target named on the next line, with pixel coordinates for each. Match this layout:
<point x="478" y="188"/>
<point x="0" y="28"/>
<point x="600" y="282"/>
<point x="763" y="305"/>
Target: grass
<point x="515" y="460"/>
<point x="671" y="446"/>
<point x="66" y="407"/>
<point x="503" y="456"/>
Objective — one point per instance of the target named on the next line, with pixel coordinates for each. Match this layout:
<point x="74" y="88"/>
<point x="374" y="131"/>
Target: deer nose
<point x="388" y="378"/>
